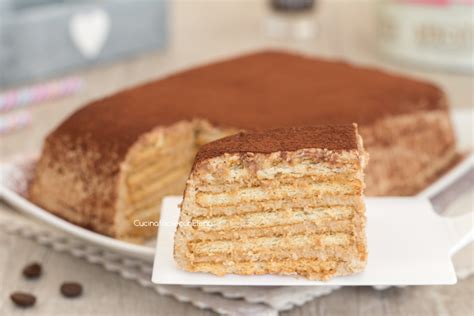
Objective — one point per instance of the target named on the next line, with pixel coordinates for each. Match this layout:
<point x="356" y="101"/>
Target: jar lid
<point x="292" y="5"/>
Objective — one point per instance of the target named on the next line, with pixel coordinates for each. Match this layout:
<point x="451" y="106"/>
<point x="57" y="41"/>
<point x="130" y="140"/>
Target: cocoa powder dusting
<point x="258" y="91"/>
<point x="330" y="137"/>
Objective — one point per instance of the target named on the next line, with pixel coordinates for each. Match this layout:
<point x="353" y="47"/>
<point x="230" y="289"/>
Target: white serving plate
<point x="18" y="172"/>
<point x="408" y="244"/>
<point x="145" y="252"/>
<point x="14" y="178"/>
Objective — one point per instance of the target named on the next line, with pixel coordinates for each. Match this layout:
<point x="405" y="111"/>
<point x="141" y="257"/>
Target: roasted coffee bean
<point x="23" y="299"/>
<point x="71" y="289"/>
<point x="32" y="271"/>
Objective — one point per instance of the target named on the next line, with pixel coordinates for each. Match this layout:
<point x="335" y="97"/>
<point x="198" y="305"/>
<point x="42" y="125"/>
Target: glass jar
<point x="433" y="33"/>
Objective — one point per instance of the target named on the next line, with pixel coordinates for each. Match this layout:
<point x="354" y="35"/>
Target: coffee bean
<point x="71" y="289"/>
<point x="23" y="299"/>
<point x="32" y="271"/>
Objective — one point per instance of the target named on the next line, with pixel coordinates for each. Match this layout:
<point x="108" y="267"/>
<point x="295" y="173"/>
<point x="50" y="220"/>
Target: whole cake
<point x="283" y="201"/>
<point x="109" y="164"/>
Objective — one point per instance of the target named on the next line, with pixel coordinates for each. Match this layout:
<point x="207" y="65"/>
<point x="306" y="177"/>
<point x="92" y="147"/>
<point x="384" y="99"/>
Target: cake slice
<point x="108" y="165"/>
<point x="283" y="201"/>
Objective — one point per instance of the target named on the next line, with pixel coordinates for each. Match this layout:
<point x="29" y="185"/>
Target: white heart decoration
<point x="89" y="31"/>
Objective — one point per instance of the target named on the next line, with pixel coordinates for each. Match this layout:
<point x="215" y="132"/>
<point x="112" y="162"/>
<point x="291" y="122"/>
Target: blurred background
<point x="56" y="55"/>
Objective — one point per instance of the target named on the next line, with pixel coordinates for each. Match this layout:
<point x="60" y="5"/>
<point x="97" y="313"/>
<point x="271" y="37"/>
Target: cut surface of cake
<point x="107" y="166"/>
<point x="285" y="201"/>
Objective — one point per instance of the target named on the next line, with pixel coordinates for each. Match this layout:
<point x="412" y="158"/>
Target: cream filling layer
<point x="338" y="252"/>
<point x="245" y="207"/>
<point x="305" y="168"/>
<point x="141" y="178"/>
<point x="267" y="243"/>
<point x="150" y="152"/>
<point x="155" y="187"/>
<point x="300" y="182"/>
<point x="282" y="217"/>
<point x="154" y="199"/>
<point x="318" y="227"/>
<point x="312" y="268"/>
<point x="283" y="192"/>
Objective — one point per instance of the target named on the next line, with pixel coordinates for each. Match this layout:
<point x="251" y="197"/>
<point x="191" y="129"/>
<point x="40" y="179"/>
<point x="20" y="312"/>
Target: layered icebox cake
<point x="285" y="201"/>
<point x="109" y="164"/>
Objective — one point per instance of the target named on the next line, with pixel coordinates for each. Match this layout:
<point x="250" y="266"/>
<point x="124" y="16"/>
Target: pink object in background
<point x="14" y="121"/>
<point x="17" y="98"/>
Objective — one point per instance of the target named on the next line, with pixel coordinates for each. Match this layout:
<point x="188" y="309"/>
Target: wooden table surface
<point x="202" y="31"/>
